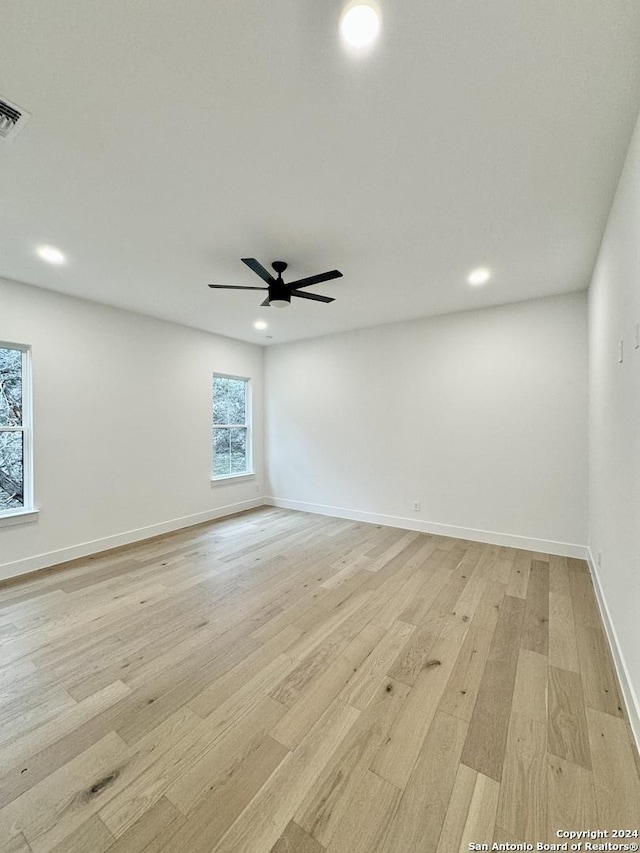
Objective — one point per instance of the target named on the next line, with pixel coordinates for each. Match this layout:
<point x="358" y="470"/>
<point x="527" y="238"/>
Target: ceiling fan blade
<point x="236" y="287"/>
<point x="315" y="296"/>
<point x="258" y="269"/>
<point x="265" y="304"/>
<point x="316" y="279"/>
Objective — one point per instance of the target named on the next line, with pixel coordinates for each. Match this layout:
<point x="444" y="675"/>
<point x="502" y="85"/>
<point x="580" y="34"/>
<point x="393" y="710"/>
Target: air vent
<point x="12" y="119"/>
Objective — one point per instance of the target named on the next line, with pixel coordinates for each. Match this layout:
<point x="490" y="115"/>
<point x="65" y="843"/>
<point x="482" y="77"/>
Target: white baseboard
<point x="545" y="546"/>
<point x="85" y="549"/>
<point x="628" y="693"/>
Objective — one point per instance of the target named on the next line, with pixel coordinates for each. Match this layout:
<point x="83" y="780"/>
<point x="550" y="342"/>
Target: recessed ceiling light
<point x="51" y="255"/>
<point x="360" y="24"/>
<point x="260" y="325"/>
<point x="479" y="276"/>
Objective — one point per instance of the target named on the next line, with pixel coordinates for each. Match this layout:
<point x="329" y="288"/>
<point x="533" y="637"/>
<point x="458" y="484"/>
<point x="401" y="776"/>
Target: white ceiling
<point x="169" y="139"/>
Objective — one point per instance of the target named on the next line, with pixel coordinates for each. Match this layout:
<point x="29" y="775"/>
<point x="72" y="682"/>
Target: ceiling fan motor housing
<point x="279" y="294"/>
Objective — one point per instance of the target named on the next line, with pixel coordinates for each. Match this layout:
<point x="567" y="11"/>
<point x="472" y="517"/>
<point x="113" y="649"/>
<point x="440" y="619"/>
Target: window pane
<point x="230" y="451"/>
<point x="11" y="471"/>
<point x="229" y="400"/>
<point x="238" y="442"/>
<point x="221" y="452"/>
<point x="10" y="387"/>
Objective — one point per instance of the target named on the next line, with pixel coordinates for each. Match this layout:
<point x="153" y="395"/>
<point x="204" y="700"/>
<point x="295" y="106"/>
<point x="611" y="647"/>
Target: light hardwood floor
<point x="293" y="683"/>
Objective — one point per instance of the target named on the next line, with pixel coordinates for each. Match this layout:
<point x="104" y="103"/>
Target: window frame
<point x="28" y="507"/>
<point x="248" y="426"/>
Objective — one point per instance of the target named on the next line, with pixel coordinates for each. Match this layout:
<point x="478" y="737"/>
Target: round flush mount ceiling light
<point x="479" y="276"/>
<point x="51" y="255"/>
<point x="260" y="325"/>
<point x="360" y="24"/>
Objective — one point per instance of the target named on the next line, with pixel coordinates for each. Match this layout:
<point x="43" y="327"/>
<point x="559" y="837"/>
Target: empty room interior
<point x="319" y="426"/>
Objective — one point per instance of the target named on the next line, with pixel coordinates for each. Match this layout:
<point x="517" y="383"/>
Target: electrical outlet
<point x="417" y="506"/>
<point x="620" y="351"/>
<point x="599" y="559"/>
<point x="257" y="489"/>
<point x="637" y="336"/>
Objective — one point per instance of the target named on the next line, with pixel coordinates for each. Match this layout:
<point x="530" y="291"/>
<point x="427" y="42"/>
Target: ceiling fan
<point x="279" y="293"/>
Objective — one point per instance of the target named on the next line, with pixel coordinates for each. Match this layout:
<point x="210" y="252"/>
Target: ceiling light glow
<point x="51" y="255"/>
<point x="479" y="276"/>
<point x="360" y="24"/>
<point x="260" y="325"/>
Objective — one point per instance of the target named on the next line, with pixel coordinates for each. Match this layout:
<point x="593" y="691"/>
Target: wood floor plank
<point x="479" y="826"/>
<point x="155" y="703"/>
<point x="522" y="805"/>
<point x="616" y="785"/>
<point x="54" y="808"/>
<point x="599" y="680"/>
<point x="40" y="765"/>
<point x="19" y="716"/>
<point x="558" y="576"/>
<point x="397" y="755"/>
<point x="291" y="687"/>
<point x="585" y="606"/>
<point x="250" y="707"/>
<point x="399" y="601"/>
<point x="226" y="798"/>
<point x="401" y="550"/>
<point x="503" y="836"/>
<point x="156" y="829"/>
<point x="144" y="664"/>
<point x="428" y="583"/>
<point x="563" y="649"/>
<point x="486" y="741"/>
<point x="331" y="795"/>
<point x="92" y="835"/>
<point x="363" y="824"/>
<point x="462" y="561"/>
<point x="328" y="623"/>
<point x="362" y="686"/>
<point x="535" y="629"/>
<point x="295" y="840"/>
<point x="240" y="741"/>
<point x="571" y="795"/>
<point x="503" y="566"/>
<point x="418" y="820"/>
<point x="417" y="653"/>
<point x="17" y="844"/>
<point x="457" y="810"/>
<point x="519" y="580"/>
<point x="488" y="608"/>
<point x="461" y="693"/>
<point x="568" y="736"/>
<point x="20" y="748"/>
<point x="265" y="818"/>
<point x="324" y="688"/>
<point x="221" y="689"/>
<point x="530" y="690"/>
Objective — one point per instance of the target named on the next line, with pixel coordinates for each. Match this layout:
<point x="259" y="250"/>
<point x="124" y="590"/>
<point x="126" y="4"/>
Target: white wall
<point x="614" y="505"/>
<point x="122" y="412"/>
<point x="482" y="416"/>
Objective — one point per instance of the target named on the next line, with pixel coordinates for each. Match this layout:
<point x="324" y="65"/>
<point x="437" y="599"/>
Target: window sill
<point x="20" y="516"/>
<point x="232" y="478"/>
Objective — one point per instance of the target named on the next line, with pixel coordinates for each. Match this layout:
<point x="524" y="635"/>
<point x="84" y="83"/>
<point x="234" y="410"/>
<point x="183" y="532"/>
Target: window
<point x="16" y="493"/>
<point x="231" y="427"/>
